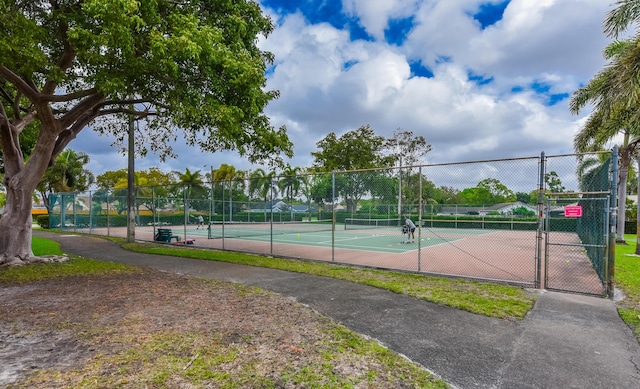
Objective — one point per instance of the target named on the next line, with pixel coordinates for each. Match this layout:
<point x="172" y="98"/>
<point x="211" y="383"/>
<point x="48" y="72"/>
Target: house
<point x="301" y="208"/>
<point x="496" y="209"/>
<point x="272" y="206"/>
<point x="281" y="206"/>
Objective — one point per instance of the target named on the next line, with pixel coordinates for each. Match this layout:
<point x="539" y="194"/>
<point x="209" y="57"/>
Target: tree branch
<point x="132" y="112"/>
<point x="83" y="120"/>
<point x="12" y="155"/>
<point x="68" y="97"/>
<point x="70" y="134"/>
<point x="20" y="84"/>
<point x="67" y="57"/>
<point x="5" y="95"/>
<point x="89" y="104"/>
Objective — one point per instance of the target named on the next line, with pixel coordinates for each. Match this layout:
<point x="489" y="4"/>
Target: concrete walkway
<point x="566" y="341"/>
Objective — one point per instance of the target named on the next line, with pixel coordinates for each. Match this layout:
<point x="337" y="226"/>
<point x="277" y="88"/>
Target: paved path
<point x="566" y="341"/>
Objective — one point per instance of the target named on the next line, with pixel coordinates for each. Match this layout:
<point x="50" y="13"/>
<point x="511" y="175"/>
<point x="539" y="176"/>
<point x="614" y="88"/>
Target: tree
<point x="355" y="150"/>
<point x="261" y="183"/>
<point x="289" y="184"/>
<point x="68" y="174"/>
<point x="449" y="195"/>
<point x="523" y="211"/>
<point x="525" y="198"/>
<point x="150" y="188"/>
<point x="554" y="184"/>
<point x="142" y="194"/>
<point x="227" y="175"/>
<point x="488" y="192"/>
<point x="109" y="179"/>
<point x="321" y="188"/>
<point x="599" y="130"/>
<point x="406" y="150"/>
<point x="192" y="188"/>
<point x="614" y="93"/>
<point x="191" y="67"/>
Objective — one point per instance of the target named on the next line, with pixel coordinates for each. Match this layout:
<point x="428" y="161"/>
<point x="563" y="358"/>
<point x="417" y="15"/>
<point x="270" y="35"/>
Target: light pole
<point x="131" y="196"/>
<point x="211" y="194"/>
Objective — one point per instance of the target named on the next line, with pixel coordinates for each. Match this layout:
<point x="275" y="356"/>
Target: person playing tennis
<point x="411" y="228"/>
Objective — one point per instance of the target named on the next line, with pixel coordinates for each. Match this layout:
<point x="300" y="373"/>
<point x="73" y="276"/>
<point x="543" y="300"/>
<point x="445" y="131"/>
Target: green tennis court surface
<point x="380" y="239"/>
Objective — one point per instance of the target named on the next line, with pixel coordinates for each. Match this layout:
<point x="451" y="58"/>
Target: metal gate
<point x="577" y="245"/>
<point x="579" y="231"/>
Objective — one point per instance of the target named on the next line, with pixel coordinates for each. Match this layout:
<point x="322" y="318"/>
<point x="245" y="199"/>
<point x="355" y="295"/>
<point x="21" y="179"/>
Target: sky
<point x="479" y="80"/>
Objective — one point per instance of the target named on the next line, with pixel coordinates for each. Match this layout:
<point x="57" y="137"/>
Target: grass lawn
<point x="124" y="326"/>
<point x="500" y="301"/>
<point x="627" y="277"/>
<point x="489" y="299"/>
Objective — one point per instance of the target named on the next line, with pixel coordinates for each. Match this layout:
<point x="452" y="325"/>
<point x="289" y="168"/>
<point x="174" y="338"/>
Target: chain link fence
<point x="500" y="220"/>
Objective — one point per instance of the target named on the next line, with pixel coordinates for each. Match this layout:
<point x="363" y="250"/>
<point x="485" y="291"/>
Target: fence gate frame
<point x="609" y="225"/>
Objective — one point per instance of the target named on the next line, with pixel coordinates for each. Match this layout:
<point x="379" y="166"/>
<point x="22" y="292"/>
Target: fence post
<point x="75" y="211"/>
<point x="108" y="216"/>
<point x="538" y="282"/>
<point x="90" y="212"/>
<point x="333" y="216"/>
<point x="223" y="213"/>
<point x="185" y="206"/>
<point x="420" y="218"/>
<point x="271" y="184"/>
<point x="154" y="208"/>
<point x="613" y="222"/>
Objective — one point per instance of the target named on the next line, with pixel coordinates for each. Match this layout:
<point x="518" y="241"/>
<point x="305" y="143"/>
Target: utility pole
<point x="131" y="194"/>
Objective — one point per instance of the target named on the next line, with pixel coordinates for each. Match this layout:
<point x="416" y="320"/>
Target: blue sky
<point x="478" y="79"/>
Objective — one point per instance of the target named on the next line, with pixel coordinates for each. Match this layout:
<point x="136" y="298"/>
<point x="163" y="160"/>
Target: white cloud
<point x="329" y="83"/>
<point x="374" y="16"/>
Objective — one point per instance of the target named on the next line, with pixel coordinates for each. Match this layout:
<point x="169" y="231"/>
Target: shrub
<point x="42" y="220"/>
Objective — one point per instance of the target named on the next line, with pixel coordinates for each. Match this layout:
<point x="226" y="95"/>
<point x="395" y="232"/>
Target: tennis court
<point x="489" y="254"/>
<point x="514" y="242"/>
<point x="381" y="238"/>
<point x="479" y="253"/>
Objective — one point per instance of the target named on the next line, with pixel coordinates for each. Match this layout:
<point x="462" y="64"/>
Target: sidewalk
<point x="566" y="341"/>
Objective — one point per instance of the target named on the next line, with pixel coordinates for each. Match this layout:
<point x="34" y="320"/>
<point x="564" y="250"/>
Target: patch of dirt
<point x="70" y="331"/>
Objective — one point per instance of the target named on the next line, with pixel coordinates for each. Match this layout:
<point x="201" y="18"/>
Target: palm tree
<point x="306" y="188"/>
<point x="289" y="184"/>
<point x="619" y="19"/>
<point x="616" y="93"/>
<point x="190" y="181"/>
<point x="588" y="165"/>
<point x="226" y="173"/>
<point x="261" y="183"/>
<point x="611" y="117"/>
<point x="66" y="175"/>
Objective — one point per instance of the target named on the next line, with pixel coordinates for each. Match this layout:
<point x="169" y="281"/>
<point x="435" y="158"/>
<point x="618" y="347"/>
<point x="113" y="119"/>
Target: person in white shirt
<point x="411" y="228"/>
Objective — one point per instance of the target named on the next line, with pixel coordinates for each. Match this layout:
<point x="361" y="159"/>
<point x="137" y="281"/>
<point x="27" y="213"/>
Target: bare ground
<point x="157" y="330"/>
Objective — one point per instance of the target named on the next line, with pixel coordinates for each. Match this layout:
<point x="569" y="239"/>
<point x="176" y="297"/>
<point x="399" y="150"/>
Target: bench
<point x="165" y="235"/>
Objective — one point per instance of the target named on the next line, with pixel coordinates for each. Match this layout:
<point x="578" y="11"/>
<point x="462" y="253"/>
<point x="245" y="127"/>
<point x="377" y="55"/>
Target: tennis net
<point x="361" y="224"/>
<point x="245" y="229"/>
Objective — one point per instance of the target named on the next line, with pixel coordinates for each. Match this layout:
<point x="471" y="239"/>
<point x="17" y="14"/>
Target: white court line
<point x="327" y="244"/>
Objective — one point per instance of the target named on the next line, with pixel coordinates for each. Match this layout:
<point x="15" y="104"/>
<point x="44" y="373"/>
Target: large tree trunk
<point x="15" y="228"/>
<point x="20" y="182"/>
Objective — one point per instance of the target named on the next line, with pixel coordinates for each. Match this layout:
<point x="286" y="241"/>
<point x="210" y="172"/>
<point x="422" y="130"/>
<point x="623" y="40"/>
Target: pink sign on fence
<point x="573" y="211"/>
